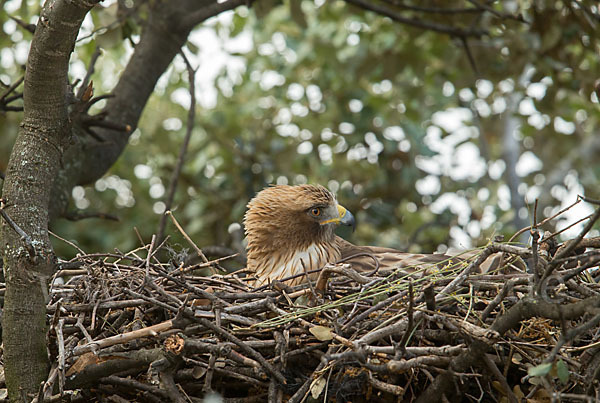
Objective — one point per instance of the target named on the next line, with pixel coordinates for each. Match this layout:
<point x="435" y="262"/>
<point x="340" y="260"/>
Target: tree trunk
<point x="164" y="33"/>
<point x="33" y="164"/>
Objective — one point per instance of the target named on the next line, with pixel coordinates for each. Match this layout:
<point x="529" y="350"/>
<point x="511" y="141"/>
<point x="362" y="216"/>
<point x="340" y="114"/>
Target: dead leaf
<point x="317" y="386"/>
<point x="541" y="396"/>
<point x="201" y="302"/>
<point x="322" y="333"/>
<point x="198" y="372"/>
<point x="89" y="92"/>
<point x="518" y="392"/>
<point x="174" y="344"/>
<point x="498" y="386"/>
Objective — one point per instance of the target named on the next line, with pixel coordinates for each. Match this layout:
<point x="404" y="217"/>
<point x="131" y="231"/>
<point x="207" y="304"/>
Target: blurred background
<point x="431" y="140"/>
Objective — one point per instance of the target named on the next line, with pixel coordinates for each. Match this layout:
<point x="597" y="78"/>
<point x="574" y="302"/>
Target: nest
<point x="127" y="326"/>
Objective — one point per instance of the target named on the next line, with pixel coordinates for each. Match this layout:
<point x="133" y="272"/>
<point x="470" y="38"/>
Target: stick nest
<point x="127" y="326"/>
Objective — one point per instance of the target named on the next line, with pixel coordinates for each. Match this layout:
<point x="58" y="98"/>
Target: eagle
<point x="290" y="232"/>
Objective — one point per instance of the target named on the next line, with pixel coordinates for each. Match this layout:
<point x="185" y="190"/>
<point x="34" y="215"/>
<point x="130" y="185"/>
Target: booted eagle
<point x="290" y="231"/>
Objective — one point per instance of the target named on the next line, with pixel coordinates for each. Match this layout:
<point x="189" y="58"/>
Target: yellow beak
<point x="345" y="218"/>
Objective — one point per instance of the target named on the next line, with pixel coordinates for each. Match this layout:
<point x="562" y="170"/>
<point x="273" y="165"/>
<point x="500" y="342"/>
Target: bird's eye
<point x="315" y="211"/>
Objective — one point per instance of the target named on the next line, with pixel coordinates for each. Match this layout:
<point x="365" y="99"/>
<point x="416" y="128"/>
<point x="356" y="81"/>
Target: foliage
<point x="398" y="120"/>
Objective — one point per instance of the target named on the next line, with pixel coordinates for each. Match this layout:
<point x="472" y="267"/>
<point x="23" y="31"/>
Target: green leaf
<point x="378" y="298"/>
<point x="540" y="370"/>
<point x="562" y="370"/>
<point x="302" y="300"/>
<point x="192" y="48"/>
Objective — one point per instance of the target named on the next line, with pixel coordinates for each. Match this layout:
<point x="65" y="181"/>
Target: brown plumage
<point x="290" y="231"/>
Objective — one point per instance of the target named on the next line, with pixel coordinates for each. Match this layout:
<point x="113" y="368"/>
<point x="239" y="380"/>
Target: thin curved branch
<point x="182" y="151"/>
<point x="211" y="10"/>
<point x="427" y="25"/>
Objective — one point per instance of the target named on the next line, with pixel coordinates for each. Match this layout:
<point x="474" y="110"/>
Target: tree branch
<point x="186" y="141"/>
<point x="163" y="35"/>
<point x="213" y="9"/>
<point x="430" y="26"/>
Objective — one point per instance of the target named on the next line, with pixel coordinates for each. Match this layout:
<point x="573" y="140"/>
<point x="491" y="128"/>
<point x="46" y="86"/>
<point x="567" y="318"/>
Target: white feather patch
<point x="293" y="263"/>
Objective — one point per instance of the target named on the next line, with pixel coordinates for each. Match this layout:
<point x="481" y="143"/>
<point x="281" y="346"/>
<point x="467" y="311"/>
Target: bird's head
<point x="293" y="217"/>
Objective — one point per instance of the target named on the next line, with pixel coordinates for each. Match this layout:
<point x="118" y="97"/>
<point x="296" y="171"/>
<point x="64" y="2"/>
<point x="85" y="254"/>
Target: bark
<point x="33" y="164"/>
<point x="163" y="35"/>
<point x="36" y="189"/>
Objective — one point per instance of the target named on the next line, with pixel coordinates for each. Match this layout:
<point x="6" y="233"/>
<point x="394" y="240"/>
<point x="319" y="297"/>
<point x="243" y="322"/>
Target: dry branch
<point x="126" y="326"/>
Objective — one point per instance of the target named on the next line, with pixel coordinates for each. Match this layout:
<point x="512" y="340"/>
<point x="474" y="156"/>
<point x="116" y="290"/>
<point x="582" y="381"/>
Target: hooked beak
<point x="345" y="218"/>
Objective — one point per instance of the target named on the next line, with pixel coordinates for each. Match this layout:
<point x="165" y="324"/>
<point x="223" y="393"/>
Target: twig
<point x="210" y="263"/>
<point x="570" y="335"/>
<point x="248" y="350"/>
<point x="508" y="286"/>
<point x="184" y="146"/>
<point x="200" y="292"/>
<point x="409" y="326"/>
<point x="67" y="242"/>
<point x="303" y="390"/>
<point x="498" y="375"/>
<point x="386" y="387"/>
<point x="24" y="237"/>
<point x="113" y="24"/>
<point x="84" y="331"/>
<point x="535" y="236"/>
<point x="378" y="306"/>
<point x="149" y="256"/>
<point x="573" y="273"/>
<point x="431" y="26"/>
<point x="80" y="215"/>
<point x="470" y="57"/>
<point x="186" y="236"/>
<point x="589" y="200"/>
<point x="90" y="71"/>
<point x="6" y="98"/>
<point x="150" y="331"/>
<point x="496" y="13"/>
<point x="209" y="373"/>
<point x="435" y="10"/>
<point x="310" y="284"/>
<point x="166" y="379"/>
<point x="560" y="231"/>
<point x="522" y="230"/>
<point x="10" y="89"/>
<point x="572" y="244"/>
<point x="102" y="305"/>
<point x="133" y="384"/>
<point x="48" y="385"/>
<point x="485" y="253"/>
<point x="61" y="356"/>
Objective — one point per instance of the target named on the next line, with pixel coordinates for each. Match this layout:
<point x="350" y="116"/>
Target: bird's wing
<point x="390" y="259"/>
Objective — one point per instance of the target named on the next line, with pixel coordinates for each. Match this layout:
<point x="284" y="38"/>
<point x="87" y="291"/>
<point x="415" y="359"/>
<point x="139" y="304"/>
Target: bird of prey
<point x="290" y="231"/>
